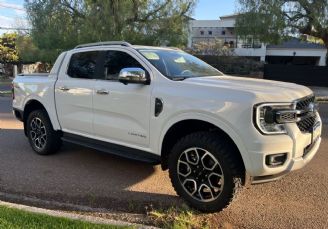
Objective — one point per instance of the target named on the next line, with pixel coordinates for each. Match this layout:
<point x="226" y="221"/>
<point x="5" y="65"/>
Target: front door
<point x="121" y="112"/>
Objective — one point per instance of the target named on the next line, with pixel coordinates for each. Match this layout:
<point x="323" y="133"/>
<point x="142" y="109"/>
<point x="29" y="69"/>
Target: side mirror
<point x="133" y="75"/>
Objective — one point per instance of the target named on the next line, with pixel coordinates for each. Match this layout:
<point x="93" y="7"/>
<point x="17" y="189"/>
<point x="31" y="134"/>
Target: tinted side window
<point x="83" y="65"/>
<point x="115" y="61"/>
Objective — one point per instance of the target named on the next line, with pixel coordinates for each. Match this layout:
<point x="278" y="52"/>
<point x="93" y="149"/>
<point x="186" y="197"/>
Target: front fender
<point x="212" y="119"/>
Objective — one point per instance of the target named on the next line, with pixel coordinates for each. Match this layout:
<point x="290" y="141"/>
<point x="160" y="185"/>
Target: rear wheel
<point x="205" y="172"/>
<point x="42" y="137"/>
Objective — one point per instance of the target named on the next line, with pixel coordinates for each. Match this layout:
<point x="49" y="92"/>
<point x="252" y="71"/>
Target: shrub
<point x="234" y="65"/>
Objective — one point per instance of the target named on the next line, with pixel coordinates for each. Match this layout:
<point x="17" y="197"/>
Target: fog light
<point x="275" y="160"/>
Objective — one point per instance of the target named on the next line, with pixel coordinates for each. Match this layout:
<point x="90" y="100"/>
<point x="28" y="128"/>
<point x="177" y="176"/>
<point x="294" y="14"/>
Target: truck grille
<point x="307" y="123"/>
<point x="304" y="103"/>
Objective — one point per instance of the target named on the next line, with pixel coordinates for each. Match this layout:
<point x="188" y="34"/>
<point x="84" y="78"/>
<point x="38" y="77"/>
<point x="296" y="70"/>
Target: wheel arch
<point x="185" y="125"/>
<point x="32" y="105"/>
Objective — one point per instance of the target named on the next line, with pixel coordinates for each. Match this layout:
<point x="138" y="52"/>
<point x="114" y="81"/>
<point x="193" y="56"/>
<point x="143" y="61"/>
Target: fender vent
<point x="158" y="107"/>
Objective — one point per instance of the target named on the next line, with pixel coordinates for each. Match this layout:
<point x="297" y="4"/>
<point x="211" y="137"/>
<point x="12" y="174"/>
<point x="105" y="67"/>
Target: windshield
<point x="178" y="65"/>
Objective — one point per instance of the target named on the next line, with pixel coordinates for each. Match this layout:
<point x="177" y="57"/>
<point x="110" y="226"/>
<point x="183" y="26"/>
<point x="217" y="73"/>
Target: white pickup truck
<point x="163" y="106"/>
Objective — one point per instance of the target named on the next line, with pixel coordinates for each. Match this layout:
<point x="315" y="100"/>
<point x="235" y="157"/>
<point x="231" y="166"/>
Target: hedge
<point x="234" y="65"/>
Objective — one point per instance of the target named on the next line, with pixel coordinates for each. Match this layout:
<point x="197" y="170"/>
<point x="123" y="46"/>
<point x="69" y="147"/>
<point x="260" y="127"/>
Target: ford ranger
<point x="163" y="106"/>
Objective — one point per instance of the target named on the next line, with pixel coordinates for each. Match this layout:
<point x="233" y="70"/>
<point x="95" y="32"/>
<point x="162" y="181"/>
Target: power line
<point x="11" y="7"/>
<point x="8" y="28"/>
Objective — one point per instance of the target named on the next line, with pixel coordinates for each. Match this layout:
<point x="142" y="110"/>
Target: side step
<point x="118" y="150"/>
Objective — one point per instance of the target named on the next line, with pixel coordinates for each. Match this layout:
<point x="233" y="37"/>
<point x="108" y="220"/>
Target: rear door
<point x="121" y="112"/>
<point x="74" y="92"/>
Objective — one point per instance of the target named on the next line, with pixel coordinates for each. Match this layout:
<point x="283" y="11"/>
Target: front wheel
<point x="204" y="171"/>
<point x="42" y="137"/>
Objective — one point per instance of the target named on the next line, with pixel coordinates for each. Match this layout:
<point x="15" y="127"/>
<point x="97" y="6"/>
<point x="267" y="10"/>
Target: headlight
<point x="269" y="118"/>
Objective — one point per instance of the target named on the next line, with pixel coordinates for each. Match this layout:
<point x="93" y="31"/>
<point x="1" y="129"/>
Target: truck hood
<point x="265" y="90"/>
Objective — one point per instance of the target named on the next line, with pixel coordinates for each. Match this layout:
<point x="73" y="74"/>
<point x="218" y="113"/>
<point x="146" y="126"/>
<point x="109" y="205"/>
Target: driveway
<point x="87" y="177"/>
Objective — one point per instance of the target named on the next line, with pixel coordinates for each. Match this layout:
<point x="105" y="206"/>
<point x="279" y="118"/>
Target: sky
<point x="213" y="9"/>
<point x="12" y="12"/>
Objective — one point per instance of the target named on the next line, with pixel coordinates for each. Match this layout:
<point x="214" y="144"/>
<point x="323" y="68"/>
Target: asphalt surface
<point x="5" y="86"/>
<point x="83" y="176"/>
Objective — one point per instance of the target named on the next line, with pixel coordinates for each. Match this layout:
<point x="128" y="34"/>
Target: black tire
<point x="227" y="162"/>
<point x="51" y="142"/>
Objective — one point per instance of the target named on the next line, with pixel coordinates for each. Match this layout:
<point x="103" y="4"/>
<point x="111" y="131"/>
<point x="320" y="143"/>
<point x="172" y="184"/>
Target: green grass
<point x="322" y="99"/>
<point x="11" y="218"/>
<point x="177" y="218"/>
<point x="5" y="81"/>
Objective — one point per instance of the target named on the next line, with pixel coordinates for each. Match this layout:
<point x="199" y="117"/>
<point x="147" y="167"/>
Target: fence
<point x="300" y="74"/>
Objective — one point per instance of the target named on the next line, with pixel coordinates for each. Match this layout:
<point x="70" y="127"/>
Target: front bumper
<point x="298" y="146"/>
<point x="294" y="164"/>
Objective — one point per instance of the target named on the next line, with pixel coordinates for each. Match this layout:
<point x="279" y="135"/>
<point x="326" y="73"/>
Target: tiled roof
<point x="229" y="16"/>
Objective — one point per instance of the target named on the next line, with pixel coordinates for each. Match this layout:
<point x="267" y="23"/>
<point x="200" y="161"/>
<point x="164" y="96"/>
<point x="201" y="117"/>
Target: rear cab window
<point x="84" y="65"/>
<point x="103" y="65"/>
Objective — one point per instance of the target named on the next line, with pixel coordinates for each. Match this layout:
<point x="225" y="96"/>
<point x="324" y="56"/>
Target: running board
<point x="118" y="150"/>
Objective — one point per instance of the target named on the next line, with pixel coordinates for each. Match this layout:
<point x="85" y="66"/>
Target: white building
<point x="290" y="52"/>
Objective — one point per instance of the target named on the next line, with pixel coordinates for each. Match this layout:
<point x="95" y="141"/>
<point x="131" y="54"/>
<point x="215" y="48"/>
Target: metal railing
<point x="231" y="42"/>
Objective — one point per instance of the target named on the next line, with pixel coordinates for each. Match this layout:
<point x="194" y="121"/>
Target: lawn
<point x="12" y="218"/>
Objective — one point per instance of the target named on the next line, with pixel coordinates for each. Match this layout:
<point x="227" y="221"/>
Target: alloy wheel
<point x="200" y="174"/>
<point x="38" y="133"/>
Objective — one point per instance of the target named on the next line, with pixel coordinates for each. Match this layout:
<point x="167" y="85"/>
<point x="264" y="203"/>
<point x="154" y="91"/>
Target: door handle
<point x="102" y="92"/>
<point x="63" y="88"/>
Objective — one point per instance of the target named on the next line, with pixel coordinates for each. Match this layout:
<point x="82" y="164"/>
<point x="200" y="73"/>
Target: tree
<point x="28" y="52"/>
<point x="272" y="21"/>
<point x="62" y="24"/>
<point x="8" y="52"/>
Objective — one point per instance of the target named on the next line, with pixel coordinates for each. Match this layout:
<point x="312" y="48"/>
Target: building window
<point x="223" y="32"/>
<point x="201" y="32"/>
<point x="210" y="32"/>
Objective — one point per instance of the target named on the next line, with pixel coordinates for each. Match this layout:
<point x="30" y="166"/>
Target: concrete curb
<point x="322" y="99"/>
<point x="5" y="94"/>
<point x="73" y="216"/>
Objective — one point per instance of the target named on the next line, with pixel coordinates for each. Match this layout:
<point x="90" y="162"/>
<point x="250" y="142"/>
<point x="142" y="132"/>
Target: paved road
<point x="5" y="86"/>
<point x="83" y="176"/>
